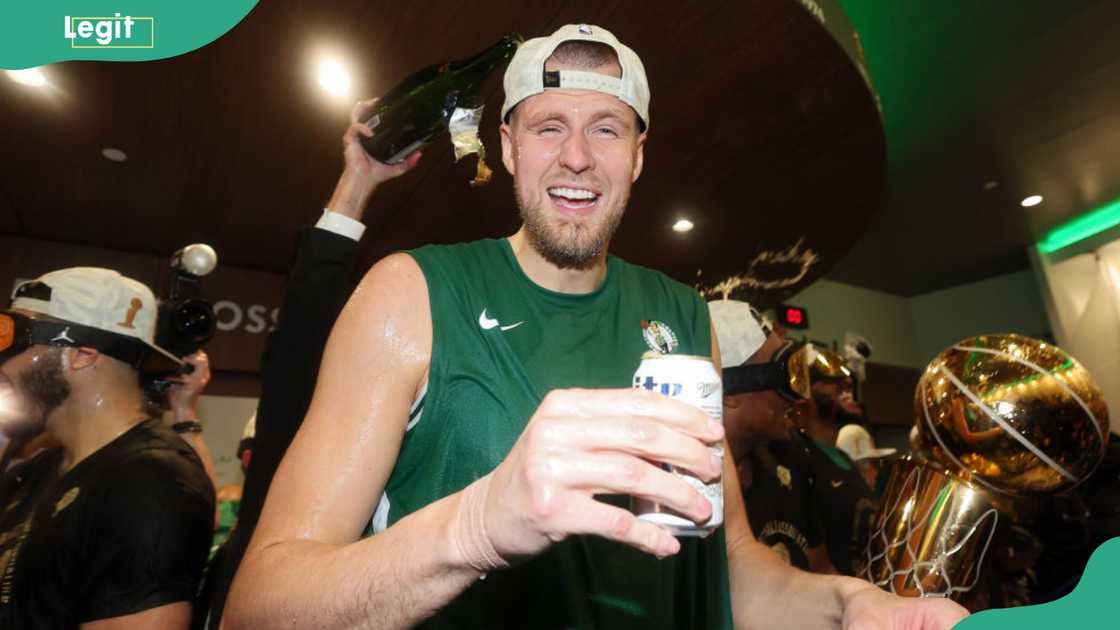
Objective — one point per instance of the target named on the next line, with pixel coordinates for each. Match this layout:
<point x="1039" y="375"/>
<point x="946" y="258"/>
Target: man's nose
<point x="576" y="155"/>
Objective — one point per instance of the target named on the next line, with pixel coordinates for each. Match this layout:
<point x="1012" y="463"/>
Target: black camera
<point x="186" y="320"/>
<point x="185" y="325"/>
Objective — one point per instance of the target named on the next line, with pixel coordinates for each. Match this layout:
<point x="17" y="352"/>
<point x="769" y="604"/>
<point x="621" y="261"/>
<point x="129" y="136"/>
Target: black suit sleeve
<point x="318" y="286"/>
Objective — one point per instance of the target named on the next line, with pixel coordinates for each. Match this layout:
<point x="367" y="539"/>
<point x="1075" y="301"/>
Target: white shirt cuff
<point x="341" y="225"/>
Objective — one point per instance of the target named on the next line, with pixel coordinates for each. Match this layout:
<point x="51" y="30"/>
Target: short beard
<point x="833" y="412"/>
<point x="568" y="250"/>
<point x="45" y="385"/>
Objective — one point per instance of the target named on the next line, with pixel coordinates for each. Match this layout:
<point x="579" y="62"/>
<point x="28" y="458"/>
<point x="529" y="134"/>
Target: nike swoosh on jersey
<point x="487" y="323"/>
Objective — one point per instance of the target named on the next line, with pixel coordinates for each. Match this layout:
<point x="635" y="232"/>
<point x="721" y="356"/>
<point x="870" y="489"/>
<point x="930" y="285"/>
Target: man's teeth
<point x="572" y="193"/>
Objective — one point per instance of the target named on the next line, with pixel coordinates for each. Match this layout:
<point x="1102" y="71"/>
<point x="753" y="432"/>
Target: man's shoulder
<point x="457" y="249"/>
<point x="153" y="455"/>
<point x="632" y="274"/>
<point x="455" y="266"/>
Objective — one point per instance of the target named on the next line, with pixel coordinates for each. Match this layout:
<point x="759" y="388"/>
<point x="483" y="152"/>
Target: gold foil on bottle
<point x="464" y="138"/>
<point x="483" y="174"/>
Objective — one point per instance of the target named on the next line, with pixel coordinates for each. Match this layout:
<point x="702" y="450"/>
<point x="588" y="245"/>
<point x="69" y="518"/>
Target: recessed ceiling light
<point x="682" y="225"/>
<point x="334" y="77"/>
<point x="115" y="155"/>
<point x="1033" y="200"/>
<point x="28" y="76"/>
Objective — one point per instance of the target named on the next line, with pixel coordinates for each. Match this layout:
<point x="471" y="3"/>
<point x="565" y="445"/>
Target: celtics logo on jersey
<point x="659" y="337"/>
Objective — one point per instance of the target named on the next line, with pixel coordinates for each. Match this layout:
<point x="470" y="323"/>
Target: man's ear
<point x="79" y="358"/>
<point x="507" y="147"/>
<point x="639" y="158"/>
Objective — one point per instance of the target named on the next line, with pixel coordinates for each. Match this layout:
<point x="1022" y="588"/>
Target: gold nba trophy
<point x="997" y="416"/>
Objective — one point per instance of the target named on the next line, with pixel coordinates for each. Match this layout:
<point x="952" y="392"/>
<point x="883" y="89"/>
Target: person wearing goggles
<point x="806" y="499"/>
<point x="113" y="524"/>
<point x="759" y="395"/>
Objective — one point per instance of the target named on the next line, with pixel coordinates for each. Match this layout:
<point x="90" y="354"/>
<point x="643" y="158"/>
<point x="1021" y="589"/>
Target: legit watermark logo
<point x="111" y="32"/>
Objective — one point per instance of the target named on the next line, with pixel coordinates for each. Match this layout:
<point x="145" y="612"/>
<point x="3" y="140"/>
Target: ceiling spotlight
<point x="333" y="77"/>
<point x="1033" y="200"/>
<point x="115" y="155"/>
<point x="28" y="76"/>
<point x="682" y="225"/>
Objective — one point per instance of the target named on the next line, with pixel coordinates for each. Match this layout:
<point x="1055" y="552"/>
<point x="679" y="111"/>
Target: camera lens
<point x="195" y="319"/>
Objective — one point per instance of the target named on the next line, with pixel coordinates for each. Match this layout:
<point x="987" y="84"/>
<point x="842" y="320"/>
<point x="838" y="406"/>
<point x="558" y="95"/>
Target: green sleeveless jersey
<point x="499" y="344"/>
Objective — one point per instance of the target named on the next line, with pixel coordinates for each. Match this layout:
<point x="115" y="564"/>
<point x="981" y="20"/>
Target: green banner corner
<point x="1090" y="605"/>
<point x="49" y="31"/>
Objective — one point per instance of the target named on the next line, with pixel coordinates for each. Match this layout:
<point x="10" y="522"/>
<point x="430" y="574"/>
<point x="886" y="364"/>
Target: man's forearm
<point x="351" y="195"/>
<point x="767" y="593"/>
<point x="394" y="579"/>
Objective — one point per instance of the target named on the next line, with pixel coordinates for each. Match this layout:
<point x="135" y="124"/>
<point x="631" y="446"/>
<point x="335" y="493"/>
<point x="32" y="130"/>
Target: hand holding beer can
<point x="693" y="380"/>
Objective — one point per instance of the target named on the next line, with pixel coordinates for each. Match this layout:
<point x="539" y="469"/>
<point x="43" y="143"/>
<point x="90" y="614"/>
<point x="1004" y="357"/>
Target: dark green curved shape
<point x="36" y="31"/>
<point x="1090" y="605"/>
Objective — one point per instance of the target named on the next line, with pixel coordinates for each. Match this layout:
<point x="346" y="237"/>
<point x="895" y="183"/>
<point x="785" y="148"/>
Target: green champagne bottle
<point x="417" y="112"/>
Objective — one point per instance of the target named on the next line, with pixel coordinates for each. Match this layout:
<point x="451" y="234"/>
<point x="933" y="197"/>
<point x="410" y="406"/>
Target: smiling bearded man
<point x="474" y="412"/>
<point x="591" y="195"/>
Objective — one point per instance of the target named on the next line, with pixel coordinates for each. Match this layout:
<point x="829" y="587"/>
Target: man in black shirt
<point x="806" y="499"/>
<point x="845" y="504"/>
<point x="112" y="526"/>
<point x="774" y="477"/>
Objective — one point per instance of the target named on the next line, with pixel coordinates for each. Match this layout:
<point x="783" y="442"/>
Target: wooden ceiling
<point x="763" y="134"/>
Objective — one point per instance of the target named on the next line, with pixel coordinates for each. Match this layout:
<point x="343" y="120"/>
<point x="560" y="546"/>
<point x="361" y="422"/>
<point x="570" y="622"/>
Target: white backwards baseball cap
<point x="857" y="443"/>
<point x="526" y="76"/>
<point x="740" y="330"/>
<point x="94" y="297"/>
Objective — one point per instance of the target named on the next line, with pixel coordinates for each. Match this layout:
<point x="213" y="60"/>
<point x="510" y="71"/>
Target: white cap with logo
<point x="526" y="75"/>
<point x="94" y="297"/>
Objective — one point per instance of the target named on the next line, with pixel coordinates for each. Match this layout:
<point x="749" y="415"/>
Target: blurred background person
<point x="805" y="498"/>
<point x="182" y="401"/>
<point x="774" y="478"/>
<point x="858" y="444"/>
<point x="844" y="504"/>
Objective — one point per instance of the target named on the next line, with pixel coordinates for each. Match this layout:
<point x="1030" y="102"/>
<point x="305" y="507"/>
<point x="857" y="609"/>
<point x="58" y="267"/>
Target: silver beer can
<point x="693" y="380"/>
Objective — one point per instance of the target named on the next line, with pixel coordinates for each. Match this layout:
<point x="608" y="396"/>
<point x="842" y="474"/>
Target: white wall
<point x="223" y="419"/>
<point x="881" y="318"/>
<point x="911" y="331"/>
<point x="1010" y="303"/>
<point x="1083" y="291"/>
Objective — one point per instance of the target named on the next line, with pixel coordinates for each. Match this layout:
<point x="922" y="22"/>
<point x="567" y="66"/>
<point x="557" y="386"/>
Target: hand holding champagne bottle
<point x="420" y="109"/>
<point x="362" y="173"/>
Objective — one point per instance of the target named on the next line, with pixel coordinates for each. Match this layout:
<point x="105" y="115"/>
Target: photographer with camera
<point x="182" y="400"/>
<point x="113" y="526"/>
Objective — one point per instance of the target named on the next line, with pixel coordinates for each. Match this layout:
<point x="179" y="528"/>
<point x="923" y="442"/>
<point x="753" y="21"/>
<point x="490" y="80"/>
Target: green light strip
<point x="1081" y="228"/>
